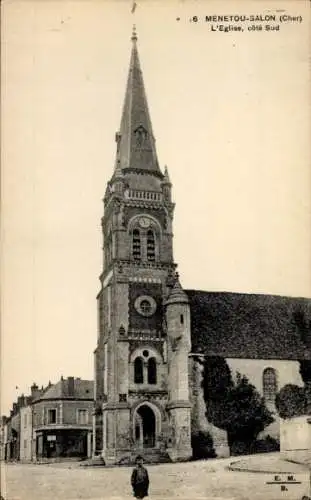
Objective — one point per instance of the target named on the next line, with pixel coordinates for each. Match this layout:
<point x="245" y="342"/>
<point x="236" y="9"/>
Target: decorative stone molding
<point x="178" y="404"/>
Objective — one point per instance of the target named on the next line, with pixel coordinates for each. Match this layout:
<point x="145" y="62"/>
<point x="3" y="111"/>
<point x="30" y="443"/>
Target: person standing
<point x="140" y="479"/>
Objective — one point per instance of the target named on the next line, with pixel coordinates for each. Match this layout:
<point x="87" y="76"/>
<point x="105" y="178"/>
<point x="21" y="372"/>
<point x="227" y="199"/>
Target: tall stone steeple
<point x="132" y="381"/>
<point x="135" y="142"/>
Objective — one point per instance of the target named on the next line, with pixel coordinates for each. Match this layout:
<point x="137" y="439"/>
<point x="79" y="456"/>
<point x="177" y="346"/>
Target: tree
<point x="236" y="407"/>
<point x="202" y="445"/>
<point x="217" y="384"/>
<point x="291" y="401"/>
<point x="302" y="322"/>
<point x="305" y="370"/>
<point x="248" y="414"/>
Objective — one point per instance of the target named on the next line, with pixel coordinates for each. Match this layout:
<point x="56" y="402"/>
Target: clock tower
<point x="138" y="404"/>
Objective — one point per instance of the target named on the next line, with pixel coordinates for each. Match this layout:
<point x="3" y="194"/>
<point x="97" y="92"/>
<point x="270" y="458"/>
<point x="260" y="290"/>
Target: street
<point x="194" y="480"/>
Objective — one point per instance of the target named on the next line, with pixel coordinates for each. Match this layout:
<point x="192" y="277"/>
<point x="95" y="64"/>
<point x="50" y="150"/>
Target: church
<point x="153" y="334"/>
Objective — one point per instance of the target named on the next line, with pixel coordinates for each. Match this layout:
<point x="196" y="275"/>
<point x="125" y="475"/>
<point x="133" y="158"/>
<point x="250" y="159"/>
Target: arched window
<point x="152" y="371"/>
<point x="138" y="371"/>
<point x="136" y="245"/>
<point x="269" y="382"/>
<point x="150" y="246"/>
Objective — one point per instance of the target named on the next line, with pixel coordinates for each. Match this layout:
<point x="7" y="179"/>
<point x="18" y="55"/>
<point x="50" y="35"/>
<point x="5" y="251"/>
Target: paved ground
<point x="195" y="480"/>
<point x="269" y="462"/>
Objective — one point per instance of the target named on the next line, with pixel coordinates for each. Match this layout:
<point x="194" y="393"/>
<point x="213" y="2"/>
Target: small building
<point x="26" y="440"/>
<point x="3" y="437"/>
<point x="12" y="445"/>
<point x="62" y="420"/>
<point x="295" y="439"/>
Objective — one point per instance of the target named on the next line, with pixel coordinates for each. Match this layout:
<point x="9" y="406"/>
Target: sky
<point x="231" y="117"/>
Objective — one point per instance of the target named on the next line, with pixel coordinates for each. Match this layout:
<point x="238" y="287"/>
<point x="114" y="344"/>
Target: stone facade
<point x="26" y="434"/>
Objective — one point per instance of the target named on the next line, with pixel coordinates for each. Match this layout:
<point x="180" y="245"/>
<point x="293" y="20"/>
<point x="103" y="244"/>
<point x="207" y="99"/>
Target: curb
<point x="238" y="468"/>
<point x="306" y="466"/>
<point x="256" y="471"/>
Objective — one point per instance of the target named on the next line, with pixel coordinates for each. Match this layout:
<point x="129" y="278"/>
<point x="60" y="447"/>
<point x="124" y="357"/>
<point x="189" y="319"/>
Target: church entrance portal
<point x="145" y="427"/>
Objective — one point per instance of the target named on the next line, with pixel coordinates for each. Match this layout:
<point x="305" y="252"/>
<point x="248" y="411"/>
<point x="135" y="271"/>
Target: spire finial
<point x="134" y="34"/>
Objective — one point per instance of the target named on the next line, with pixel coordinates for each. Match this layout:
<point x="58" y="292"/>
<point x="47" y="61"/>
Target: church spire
<point x="135" y="142"/>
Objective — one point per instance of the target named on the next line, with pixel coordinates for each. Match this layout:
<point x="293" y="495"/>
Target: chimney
<point x="35" y="391"/>
<point x="23" y="401"/>
<point x="71" y="386"/>
<point x="14" y="408"/>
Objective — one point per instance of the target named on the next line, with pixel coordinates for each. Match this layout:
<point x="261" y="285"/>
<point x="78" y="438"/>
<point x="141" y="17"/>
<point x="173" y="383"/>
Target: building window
<point x="136" y="245"/>
<point x="82" y="416"/>
<point x="25" y="443"/>
<point x="181" y="319"/>
<point x="269" y="382"/>
<point x="52" y="416"/>
<point x="122" y="398"/>
<point x="25" y="420"/>
<point x="150" y="246"/>
<point x="138" y="371"/>
<point x="152" y="371"/>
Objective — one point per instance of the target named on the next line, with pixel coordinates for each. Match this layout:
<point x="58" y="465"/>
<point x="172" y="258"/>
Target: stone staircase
<point x="154" y="456"/>
<point x="150" y="456"/>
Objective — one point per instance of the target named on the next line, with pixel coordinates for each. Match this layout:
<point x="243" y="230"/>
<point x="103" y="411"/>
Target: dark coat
<point x="140" y="482"/>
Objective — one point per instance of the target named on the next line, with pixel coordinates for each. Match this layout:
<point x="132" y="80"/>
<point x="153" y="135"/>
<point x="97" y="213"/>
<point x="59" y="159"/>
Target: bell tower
<point x="131" y="357"/>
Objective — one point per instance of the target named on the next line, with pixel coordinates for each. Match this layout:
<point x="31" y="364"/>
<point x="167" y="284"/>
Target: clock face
<point x="144" y="222"/>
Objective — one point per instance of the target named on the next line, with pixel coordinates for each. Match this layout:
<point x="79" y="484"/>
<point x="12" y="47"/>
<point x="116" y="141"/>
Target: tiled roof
<point x="249" y="326"/>
<point x="82" y="389"/>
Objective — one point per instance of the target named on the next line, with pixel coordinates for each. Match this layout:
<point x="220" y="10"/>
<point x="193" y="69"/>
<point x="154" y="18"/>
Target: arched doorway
<point x="145" y="427"/>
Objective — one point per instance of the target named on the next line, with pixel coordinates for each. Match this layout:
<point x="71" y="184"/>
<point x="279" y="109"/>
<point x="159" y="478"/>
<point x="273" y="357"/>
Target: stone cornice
<point x="178" y="404"/>
<point x="68" y="399"/>
<point x="59" y="427"/>
<point x="141" y="171"/>
<point x="144" y="265"/>
<point x="116" y="406"/>
<point x="155" y="205"/>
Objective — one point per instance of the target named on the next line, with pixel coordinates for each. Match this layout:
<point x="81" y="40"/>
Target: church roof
<point x="136" y="145"/>
<point x="236" y="325"/>
<point x="70" y="388"/>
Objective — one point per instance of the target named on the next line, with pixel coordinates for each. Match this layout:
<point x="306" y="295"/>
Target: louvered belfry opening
<point x="150" y="246"/>
<point x="136" y="245"/>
